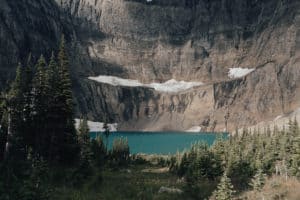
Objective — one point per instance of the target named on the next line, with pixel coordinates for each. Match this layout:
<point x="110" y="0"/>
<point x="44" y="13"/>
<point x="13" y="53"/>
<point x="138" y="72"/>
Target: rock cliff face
<point x="191" y="40"/>
<point x="27" y="26"/>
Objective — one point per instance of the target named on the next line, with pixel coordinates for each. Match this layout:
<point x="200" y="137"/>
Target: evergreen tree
<point x="35" y="185"/>
<point x="184" y="164"/>
<point x="3" y="126"/>
<point x="65" y="81"/>
<point x="99" y="152"/>
<point x="28" y="129"/>
<point x="295" y="163"/>
<point x="296" y="128"/>
<point x="120" y="152"/>
<point x="219" y="147"/>
<point x="67" y="144"/>
<point x="83" y="131"/>
<point x="258" y="180"/>
<point x="56" y="121"/>
<point x="106" y="133"/>
<point x="40" y="107"/>
<point x="85" y="143"/>
<point x="14" y="169"/>
<point x="54" y="125"/>
<point x="225" y="189"/>
<point x="293" y="127"/>
<point x="37" y="120"/>
<point x="15" y="142"/>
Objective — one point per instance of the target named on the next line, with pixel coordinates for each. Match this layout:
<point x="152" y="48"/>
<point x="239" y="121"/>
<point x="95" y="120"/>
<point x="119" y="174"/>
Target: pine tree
<point x="40" y="107"/>
<point x="55" y="128"/>
<point x="85" y="146"/>
<point x="42" y="113"/>
<point x="184" y="164"/>
<point x="296" y="128"/>
<point x="3" y="126"/>
<point x="84" y="131"/>
<point x="28" y="102"/>
<point x="65" y="81"/>
<point x="225" y="189"/>
<point x="15" y="142"/>
<point x="99" y="152"/>
<point x="293" y="127"/>
<point x="84" y="140"/>
<point x="295" y="163"/>
<point x="258" y="180"/>
<point x="16" y="147"/>
<point x="68" y="147"/>
<point x="106" y="133"/>
<point x="35" y="185"/>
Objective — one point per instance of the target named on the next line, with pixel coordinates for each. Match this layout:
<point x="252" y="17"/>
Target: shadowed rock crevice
<point x="160" y="40"/>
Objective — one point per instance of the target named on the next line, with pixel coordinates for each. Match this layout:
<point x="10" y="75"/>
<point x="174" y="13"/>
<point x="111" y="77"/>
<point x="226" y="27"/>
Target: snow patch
<point x="278" y="117"/>
<point x="173" y="86"/>
<point x="168" y="86"/>
<point x="239" y="72"/>
<point x="116" y="81"/>
<point x="194" y="129"/>
<point x="97" y="126"/>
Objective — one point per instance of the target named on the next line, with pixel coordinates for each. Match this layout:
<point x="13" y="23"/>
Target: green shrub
<point x="120" y="152"/>
<point x="138" y="160"/>
<point x="99" y="152"/>
<point x="25" y="180"/>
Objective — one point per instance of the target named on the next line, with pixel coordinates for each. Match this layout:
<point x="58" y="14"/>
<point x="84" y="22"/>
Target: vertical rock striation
<point x="191" y="40"/>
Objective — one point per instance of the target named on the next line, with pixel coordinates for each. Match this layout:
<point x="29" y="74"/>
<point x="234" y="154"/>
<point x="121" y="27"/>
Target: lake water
<point x="161" y="142"/>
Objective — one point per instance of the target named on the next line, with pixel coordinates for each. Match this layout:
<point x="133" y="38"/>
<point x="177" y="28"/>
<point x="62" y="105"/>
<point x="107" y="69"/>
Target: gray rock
<point x="187" y="40"/>
<point x="170" y="190"/>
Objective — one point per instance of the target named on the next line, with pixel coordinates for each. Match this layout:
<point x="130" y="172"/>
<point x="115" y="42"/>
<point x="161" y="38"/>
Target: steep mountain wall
<point x="191" y="40"/>
<point x="27" y="26"/>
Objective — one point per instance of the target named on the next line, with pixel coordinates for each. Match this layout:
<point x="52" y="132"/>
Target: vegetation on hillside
<point x="247" y="159"/>
<point x="43" y="156"/>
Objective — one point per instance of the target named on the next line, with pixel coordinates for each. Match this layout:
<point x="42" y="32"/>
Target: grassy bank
<point x="139" y="181"/>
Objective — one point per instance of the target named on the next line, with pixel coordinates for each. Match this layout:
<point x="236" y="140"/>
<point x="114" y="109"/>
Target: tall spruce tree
<point x="15" y="148"/>
<point x="28" y="102"/>
<point x="83" y="131"/>
<point x="55" y="126"/>
<point x="84" y="139"/>
<point x="40" y="107"/>
<point x="85" y="146"/>
<point x="258" y="180"/>
<point x="3" y="125"/>
<point x="225" y="189"/>
<point x="295" y="157"/>
<point x="65" y="81"/>
<point x="68" y="146"/>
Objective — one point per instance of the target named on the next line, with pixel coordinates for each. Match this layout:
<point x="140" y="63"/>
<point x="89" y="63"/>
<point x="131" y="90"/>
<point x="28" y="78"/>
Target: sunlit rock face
<point x="189" y="39"/>
<point x="160" y="40"/>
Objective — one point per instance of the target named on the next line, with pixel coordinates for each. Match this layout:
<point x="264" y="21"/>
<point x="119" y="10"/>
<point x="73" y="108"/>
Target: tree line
<point x="40" y="147"/>
<point x="241" y="162"/>
<point x="37" y="114"/>
<point x="37" y="135"/>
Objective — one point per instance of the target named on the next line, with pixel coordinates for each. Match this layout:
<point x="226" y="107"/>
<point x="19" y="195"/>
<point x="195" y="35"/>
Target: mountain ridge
<point x="162" y="40"/>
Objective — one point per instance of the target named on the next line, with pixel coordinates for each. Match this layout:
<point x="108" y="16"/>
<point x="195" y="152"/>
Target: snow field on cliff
<point x="194" y="129"/>
<point x="97" y="126"/>
<point x="239" y="72"/>
<point x="168" y="86"/>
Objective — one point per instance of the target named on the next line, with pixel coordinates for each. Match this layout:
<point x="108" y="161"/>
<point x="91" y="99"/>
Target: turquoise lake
<point x="161" y="142"/>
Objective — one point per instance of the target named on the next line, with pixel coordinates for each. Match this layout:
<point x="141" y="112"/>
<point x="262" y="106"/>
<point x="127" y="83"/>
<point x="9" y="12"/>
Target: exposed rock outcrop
<point x="191" y="40"/>
<point x="28" y="26"/>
